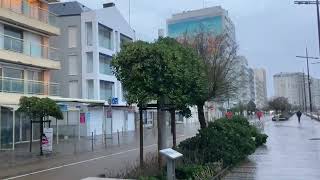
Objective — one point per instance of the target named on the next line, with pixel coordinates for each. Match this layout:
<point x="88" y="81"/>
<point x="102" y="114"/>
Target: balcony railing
<point x="28" y="48"/>
<point x="32" y="11"/>
<point x="21" y="86"/>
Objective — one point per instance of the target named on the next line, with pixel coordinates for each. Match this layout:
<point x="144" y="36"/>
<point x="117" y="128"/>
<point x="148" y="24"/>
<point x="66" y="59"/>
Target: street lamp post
<point x="318" y="14"/>
<point x="304" y="92"/>
<point x="307" y="57"/>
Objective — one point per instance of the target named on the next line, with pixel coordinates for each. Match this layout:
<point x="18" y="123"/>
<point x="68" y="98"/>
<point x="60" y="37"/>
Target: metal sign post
<point x="171" y="155"/>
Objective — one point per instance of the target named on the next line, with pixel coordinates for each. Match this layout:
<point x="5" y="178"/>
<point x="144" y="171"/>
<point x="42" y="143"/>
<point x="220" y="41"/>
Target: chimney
<point x="107" y="5"/>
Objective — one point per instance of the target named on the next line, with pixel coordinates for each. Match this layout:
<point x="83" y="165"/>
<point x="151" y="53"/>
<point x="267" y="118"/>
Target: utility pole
<point x="129" y="12"/>
<point x="304" y="93"/>
<point x="307" y="57"/>
<point x="318" y="14"/>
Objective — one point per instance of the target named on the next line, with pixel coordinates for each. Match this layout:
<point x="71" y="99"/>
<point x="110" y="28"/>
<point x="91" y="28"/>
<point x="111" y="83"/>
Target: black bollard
<point x="92" y="141"/>
<point x="118" y="138"/>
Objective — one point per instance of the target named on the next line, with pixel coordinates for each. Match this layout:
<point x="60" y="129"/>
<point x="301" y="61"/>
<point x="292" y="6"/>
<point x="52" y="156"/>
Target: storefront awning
<point x="13" y="107"/>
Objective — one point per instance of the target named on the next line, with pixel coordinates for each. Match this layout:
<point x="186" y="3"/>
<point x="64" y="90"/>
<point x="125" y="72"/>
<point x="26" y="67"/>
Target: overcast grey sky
<point x="270" y="33"/>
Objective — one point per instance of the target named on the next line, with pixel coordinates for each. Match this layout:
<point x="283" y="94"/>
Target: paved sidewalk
<point x="291" y="153"/>
<point x="22" y="162"/>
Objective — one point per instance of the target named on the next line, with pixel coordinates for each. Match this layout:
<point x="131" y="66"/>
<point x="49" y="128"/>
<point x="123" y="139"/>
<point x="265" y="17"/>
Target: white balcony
<point x="28" y="87"/>
<point x="34" y="17"/>
<point x="16" y="50"/>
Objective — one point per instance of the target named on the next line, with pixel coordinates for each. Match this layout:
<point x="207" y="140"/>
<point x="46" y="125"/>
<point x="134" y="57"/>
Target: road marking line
<point x="84" y="161"/>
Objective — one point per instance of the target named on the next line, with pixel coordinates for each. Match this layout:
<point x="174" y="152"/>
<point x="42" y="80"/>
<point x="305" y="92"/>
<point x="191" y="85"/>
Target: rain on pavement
<point x="292" y="152"/>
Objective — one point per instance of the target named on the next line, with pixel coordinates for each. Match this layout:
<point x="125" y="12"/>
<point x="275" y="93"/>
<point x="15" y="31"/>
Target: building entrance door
<point x="6" y="129"/>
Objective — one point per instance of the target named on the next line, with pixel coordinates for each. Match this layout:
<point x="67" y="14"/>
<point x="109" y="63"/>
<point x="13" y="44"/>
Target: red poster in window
<point x="109" y="113"/>
<point x="82" y="118"/>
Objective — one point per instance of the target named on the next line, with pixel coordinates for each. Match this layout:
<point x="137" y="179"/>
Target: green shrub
<point x="261" y="139"/>
<point x="192" y="171"/>
<point x="187" y="171"/>
<point x="228" y="141"/>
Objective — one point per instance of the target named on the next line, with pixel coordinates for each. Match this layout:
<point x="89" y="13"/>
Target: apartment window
<point x="72" y="35"/>
<point x="35" y="49"/>
<point x="72" y="63"/>
<point x="35" y="86"/>
<point x="35" y="75"/>
<point x="116" y="43"/>
<point x="89" y="62"/>
<point x="105" y="37"/>
<point x="106" y="90"/>
<point x="13" y="81"/>
<point x="13" y="73"/>
<point x="124" y="39"/>
<point x="104" y="64"/>
<point x="73" y="89"/>
<point x="13" y="39"/>
<point x="90" y="90"/>
<point x="89" y="33"/>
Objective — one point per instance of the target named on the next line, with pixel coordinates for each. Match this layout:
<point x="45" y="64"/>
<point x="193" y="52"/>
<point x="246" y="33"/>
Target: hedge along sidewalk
<point x="233" y="140"/>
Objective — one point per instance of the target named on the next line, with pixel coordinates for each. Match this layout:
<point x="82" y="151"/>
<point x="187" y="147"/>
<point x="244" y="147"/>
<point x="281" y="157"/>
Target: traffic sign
<point x="115" y="101"/>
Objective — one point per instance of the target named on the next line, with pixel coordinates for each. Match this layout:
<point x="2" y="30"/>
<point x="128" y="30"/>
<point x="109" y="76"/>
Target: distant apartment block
<point x="294" y="86"/>
<point x="214" y="20"/>
<point x="243" y="95"/>
<point x="291" y="86"/>
<point x="260" y="84"/>
<point x="252" y="91"/>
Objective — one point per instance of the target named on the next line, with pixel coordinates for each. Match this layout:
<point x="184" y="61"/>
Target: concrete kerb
<point x="221" y="174"/>
<point x="94" y="178"/>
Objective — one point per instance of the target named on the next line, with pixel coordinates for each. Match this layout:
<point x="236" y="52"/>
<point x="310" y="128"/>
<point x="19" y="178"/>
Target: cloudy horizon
<point x="270" y="33"/>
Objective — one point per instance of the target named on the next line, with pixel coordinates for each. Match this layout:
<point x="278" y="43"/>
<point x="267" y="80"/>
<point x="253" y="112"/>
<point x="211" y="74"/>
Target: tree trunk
<point x="159" y="136"/>
<point x="41" y="135"/>
<point x="162" y="130"/>
<point x="173" y="128"/>
<point x="30" y="148"/>
<point x="201" y="117"/>
<point x="141" y="136"/>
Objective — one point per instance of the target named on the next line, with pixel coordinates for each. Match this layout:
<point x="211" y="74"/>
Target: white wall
<point x="118" y="120"/>
<point x="96" y="121"/>
<point x="111" y="18"/>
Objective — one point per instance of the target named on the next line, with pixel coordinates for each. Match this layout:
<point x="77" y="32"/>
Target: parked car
<point x="280" y="117"/>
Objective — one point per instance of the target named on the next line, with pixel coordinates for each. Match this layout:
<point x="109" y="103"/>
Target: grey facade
<point x="260" y="83"/>
<point x="62" y="75"/>
<point x="251" y="85"/>
<point x="243" y="95"/>
<point x="69" y="15"/>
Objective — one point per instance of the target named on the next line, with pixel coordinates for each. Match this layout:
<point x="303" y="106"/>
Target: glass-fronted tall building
<point x="213" y="19"/>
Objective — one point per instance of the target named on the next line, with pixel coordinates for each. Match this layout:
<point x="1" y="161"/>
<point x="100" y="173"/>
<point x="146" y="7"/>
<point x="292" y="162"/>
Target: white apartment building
<point x="243" y="94"/>
<point x="291" y="86"/>
<point x="260" y="84"/>
<point x="88" y="41"/>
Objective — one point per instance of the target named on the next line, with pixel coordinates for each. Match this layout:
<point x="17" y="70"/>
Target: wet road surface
<point x="79" y="166"/>
<point x="291" y="153"/>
